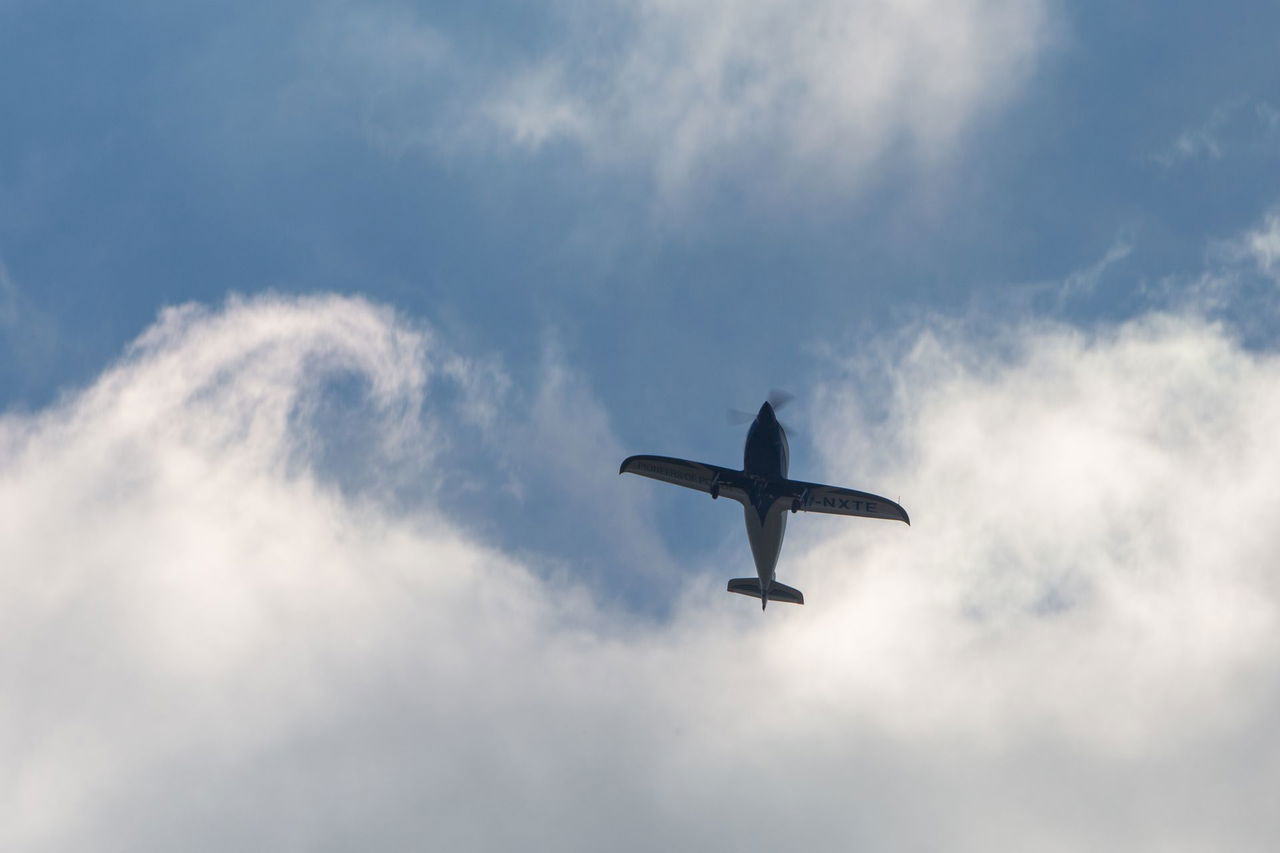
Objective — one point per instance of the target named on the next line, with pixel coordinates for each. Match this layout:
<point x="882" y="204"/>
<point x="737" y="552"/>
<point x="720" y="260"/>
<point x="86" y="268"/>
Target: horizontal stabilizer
<point x="777" y="591"/>
<point x="699" y="476"/>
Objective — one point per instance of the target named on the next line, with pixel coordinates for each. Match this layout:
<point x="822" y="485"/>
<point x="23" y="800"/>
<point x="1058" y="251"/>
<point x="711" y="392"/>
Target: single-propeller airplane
<point x="766" y="494"/>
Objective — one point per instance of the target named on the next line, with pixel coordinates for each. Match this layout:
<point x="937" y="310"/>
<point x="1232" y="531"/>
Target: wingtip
<point x="905" y="519"/>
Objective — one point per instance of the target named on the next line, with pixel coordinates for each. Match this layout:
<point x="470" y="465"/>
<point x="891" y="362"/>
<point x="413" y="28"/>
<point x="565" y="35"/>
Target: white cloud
<point x="1236" y="283"/>
<point x="1101" y="507"/>
<point x="1262" y="246"/>
<point x="817" y="96"/>
<point x="206" y="644"/>
<point x="814" y="93"/>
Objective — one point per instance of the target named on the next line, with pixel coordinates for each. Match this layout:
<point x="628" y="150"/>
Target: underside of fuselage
<point x="765" y="460"/>
<point x="764" y="532"/>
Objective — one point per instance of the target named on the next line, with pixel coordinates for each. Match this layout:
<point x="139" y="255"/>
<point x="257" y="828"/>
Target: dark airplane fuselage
<point x="767" y="495"/>
<point x="766" y="453"/>
<point x="765" y="460"/>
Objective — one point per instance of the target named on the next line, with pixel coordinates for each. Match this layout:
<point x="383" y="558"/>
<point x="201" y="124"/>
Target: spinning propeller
<point x="777" y="399"/>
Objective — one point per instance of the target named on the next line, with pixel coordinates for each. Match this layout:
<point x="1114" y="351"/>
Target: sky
<point x="324" y="327"/>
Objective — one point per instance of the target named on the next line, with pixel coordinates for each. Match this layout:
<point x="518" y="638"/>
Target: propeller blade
<point x="737" y="417"/>
<point x="779" y="399"/>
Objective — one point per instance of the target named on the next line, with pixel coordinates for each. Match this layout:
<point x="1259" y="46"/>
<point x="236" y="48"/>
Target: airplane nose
<point x="766" y="412"/>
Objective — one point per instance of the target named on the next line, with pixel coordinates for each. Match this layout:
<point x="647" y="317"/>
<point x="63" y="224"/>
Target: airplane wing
<point x="692" y="475"/>
<point x="815" y="497"/>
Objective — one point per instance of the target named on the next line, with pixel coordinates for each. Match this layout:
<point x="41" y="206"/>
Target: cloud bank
<point x="214" y="637"/>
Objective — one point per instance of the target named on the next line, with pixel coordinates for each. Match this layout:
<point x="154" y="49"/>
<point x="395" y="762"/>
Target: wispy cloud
<point x="1238" y="125"/>
<point x="1085" y="281"/>
<point x="1238" y="280"/>
<point x="808" y="93"/>
<point x="206" y="641"/>
<point x="813" y="94"/>
<point x="1262" y="246"/>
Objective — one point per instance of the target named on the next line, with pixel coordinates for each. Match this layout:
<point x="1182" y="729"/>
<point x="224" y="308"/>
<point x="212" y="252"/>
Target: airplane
<point x="766" y="494"/>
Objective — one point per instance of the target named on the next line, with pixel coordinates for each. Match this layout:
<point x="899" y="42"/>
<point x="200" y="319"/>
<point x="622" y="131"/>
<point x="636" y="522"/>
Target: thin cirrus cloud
<point x="208" y="642"/>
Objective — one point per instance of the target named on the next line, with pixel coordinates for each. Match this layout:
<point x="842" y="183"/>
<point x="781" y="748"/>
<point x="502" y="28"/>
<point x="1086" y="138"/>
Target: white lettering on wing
<point x="837" y="503"/>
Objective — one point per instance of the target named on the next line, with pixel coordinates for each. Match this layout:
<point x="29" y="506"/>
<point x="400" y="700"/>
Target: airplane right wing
<point x="815" y="497"/>
<point x="708" y="479"/>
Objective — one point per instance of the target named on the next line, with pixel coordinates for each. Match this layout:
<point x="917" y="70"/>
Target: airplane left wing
<point x="815" y="497"/>
<point x="699" y="476"/>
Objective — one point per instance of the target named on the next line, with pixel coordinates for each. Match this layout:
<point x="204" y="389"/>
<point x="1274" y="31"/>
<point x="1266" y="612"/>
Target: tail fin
<point x="777" y="591"/>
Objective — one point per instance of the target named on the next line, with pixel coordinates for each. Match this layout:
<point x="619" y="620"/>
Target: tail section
<point x="777" y="591"/>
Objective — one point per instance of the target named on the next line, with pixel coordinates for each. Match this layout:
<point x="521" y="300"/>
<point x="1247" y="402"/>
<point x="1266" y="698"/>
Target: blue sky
<point x="358" y="306"/>
<point x="337" y="147"/>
